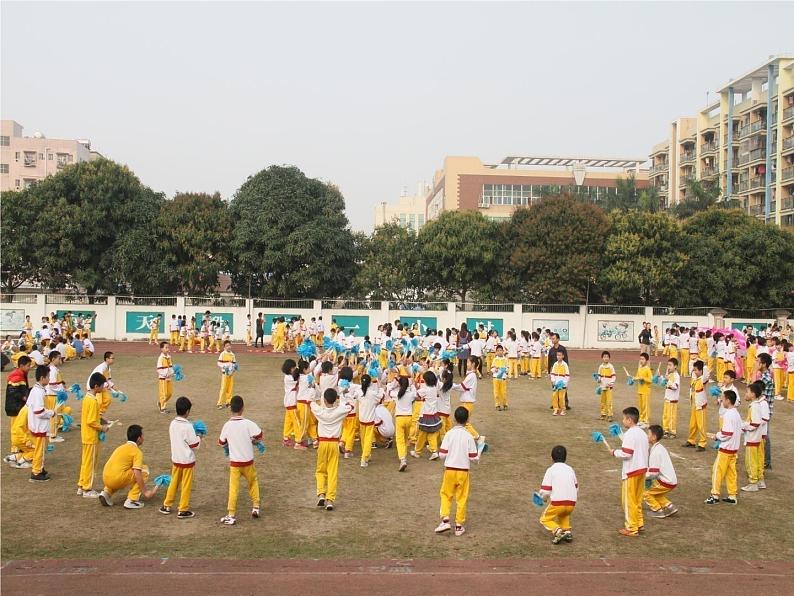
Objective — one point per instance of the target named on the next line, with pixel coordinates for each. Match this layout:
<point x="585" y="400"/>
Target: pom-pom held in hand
<point x="101" y="436"/>
<point x="596" y="377"/>
<point x="716" y="444"/>
<point x="66" y="422"/>
<point x="178" y="374"/>
<point x="162" y="480"/>
<point x="326" y="343"/>
<point x="715" y="391"/>
<point x="599" y="390"/>
<point x="655" y="379"/>
<point x="77" y="391"/>
<point x="61" y="396"/>
<point x="537" y="499"/>
<point x="310" y="379"/>
<point x="614" y="430"/>
<point x="376" y="349"/>
<point x="200" y="427"/>
<point x="630" y="381"/>
<point x="50" y="448"/>
<point x="344" y="384"/>
<point x="597" y="437"/>
<point x="307" y="349"/>
<point x="558" y="385"/>
<point x="119" y="395"/>
<point x="226" y="450"/>
<point x="260" y="447"/>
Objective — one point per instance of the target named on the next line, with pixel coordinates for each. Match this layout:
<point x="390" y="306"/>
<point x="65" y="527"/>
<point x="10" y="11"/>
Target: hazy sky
<point x="371" y="96"/>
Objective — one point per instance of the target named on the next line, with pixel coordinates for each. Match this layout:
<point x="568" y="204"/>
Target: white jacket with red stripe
<point x="633" y="452"/>
<point x="560" y="483"/>
<point x="660" y="466"/>
<point x="730" y="435"/>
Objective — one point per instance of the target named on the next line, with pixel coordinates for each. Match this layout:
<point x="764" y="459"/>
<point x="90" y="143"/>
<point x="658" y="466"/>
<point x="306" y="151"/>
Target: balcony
<point x="754" y="155"/>
<point x="742" y="186"/>
<point x="755" y="209"/>
<point x="752" y="128"/>
<point x="29" y="160"/>
<point x="709" y="172"/>
<point x="685" y="180"/>
<point x="659" y="169"/>
<point x="788" y="143"/>
<point x="787" y="174"/>
<point x="788" y="113"/>
<point x="687" y="156"/>
<point x="760" y="181"/>
<point x="709" y="147"/>
<point x="788" y="203"/>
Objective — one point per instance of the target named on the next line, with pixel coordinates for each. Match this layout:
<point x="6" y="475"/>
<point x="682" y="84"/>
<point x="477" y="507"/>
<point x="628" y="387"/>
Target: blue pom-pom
<point x="162" y="480"/>
<point x="307" y="349"/>
<point x="537" y="499"/>
<point x="119" y="395"/>
<point x="310" y="379"/>
<point x="200" y="427"/>
<point x="614" y="430"/>
<point x="596" y="377"/>
<point x="344" y="384"/>
<point x="449" y="354"/>
<point x="716" y="444"/>
<point x="599" y="390"/>
<point x="67" y="421"/>
<point x="597" y="437"/>
<point x="77" y="391"/>
<point x="501" y="372"/>
<point x="376" y="349"/>
<point x="326" y="343"/>
<point x="178" y="374"/>
<point x="414" y="368"/>
<point x="663" y="382"/>
<point x="260" y="446"/>
<point x="102" y="436"/>
<point x="648" y="483"/>
<point x="558" y="385"/>
<point x="630" y="381"/>
<point x="50" y="448"/>
<point x="715" y="391"/>
<point x="61" y="396"/>
<point x="236" y="366"/>
<point x="226" y="450"/>
<point x="415" y="342"/>
<point x="389" y="344"/>
<point x="655" y="379"/>
<point x="373" y="370"/>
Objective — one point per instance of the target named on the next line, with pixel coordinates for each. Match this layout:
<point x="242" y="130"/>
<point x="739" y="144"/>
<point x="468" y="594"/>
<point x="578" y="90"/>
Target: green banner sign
<point x="758" y="328"/>
<point x="218" y="317"/>
<point x="420" y="323"/>
<point x="138" y="321"/>
<point x="356" y="323"/>
<point x="489" y="324"/>
<point x="269" y="318"/>
<point x="78" y="313"/>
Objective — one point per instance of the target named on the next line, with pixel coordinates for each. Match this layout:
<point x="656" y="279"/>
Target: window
<point x="49" y="156"/>
<point x="28" y="182"/>
<point x="5" y="141"/>
<point x="41" y="156"/>
<point x="421" y="220"/>
<point x="16" y="156"/>
<point x="64" y="159"/>
<point x="16" y="183"/>
<point x="3" y="168"/>
<point x="403" y="220"/>
<point x="30" y="159"/>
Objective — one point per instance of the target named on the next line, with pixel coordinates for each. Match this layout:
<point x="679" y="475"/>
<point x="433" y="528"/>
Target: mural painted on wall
<point x="12" y="319"/>
<point x="138" y="321"/>
<point x="619" y="331"/>
<point x="562" y="327"/>
<point x="489" y="324"/>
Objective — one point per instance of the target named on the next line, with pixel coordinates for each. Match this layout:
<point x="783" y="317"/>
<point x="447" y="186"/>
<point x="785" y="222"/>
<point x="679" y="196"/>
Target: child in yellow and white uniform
<point x="634" y="454"/>
<point x="560" y="376"/>
<point x="403" y="394"/>
<point x="561" y="489"/>
<point x="673" y="344"/>
<point x="728" y="384"/>
<point x="428" y="392"/>
<point x="370" y="398"/>
<point x="606" y="381"/>
<point x="490" y="349"/>
<point x="219" y="341"/>
<point x="698" y="402"/>
<point x="240" y="434"/>
<point x="124" y="469"/>
<point x="27" y="327"/>
<point x="672" y="392"/>
<point x="104" y="396"/>
<point x="184" y="442"/>
<point x="535" y="353"/>
<point x="511" y="350"/>
<point x="444" y="404"/>
<point x="307" y="393"/>
<point x="458" y="450"/>
<point x="183" y="335"/>
<point x="173" y="330"/>
<point x="752" y="353"/>
<point x="55" y="383"/>
<point x="90" y="427"/>
<point x="684" y="349"/>
<point x="154" y="329"/>
<point x="693" y="354"/>
<point x="643" y="380"/>
<point x="292" y="431"/>
<point x="330" y="414"/>
<point x="523" y="352"/>
<point x="661" y="476"/>
<point x="500" y="372"/>
<point x="21" y="441"/>
<point x="730" y="353"/>
<point x="249" y="338"/>
<point x="720" y="348"/>
<point x="165" y="374"/>
<point x="790" y="371"/>
<point x="730" y="436"/>
<point x="349" y="392"/>
<point x="39" y="423"/>
<point x="205" y="339"/>
<point x="468" y="396"/>
<point x="753" y="429"/>
<point x="227" y="363"/>
<point x="779" y="368"/>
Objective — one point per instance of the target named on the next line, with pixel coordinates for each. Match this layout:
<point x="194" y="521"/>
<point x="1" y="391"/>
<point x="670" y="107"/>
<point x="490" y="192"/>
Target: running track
<point x="422" y="577"/>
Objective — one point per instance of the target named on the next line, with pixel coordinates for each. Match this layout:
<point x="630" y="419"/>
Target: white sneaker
<point x="11" y="458"/>
<point x="105" y="499"/>
<point x="459" y="530"/>
<point x="130" y="504"/>
<point x="761" y="484"/>
<point x="443" y="527"/>
<point x="21" y="464"/>
<point x="414" y="454"/>
<point x="403" y="465"/>
<point x="56" y="439"/>
<point x="364" y="464"/>
<point x="90" y="494"/>
<point x="778" y="398"/>
<point x="80" y="492"/>
<point x="433" y="455"/>
<point x="228" y="520"/>
<point x="750" y="488"/>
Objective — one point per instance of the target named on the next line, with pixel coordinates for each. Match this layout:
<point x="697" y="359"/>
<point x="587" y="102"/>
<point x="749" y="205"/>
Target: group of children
<point x="69" y="336"/>
<point x="202" y="336"/>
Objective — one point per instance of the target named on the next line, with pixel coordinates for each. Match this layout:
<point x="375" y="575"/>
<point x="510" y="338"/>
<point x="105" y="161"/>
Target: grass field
<point x="381" y="513"/>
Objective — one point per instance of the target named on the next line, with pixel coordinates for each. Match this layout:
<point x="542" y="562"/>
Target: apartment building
<point x="408" y="211"/>
<point x="26" y="160"/>
<point x="743" y="142"/>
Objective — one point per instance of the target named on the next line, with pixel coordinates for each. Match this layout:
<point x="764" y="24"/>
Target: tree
<point x="291" y="236"/>
<point x="700" y="196"/>
<point x="88" y="210"/>
<point x="643" y="259"/>
<point x="18" y="255"/>
<point x="754" y="265"/>
<point x="389" y="265"/>
<point x="458" y="251"/>
<point x="554" y="248"/>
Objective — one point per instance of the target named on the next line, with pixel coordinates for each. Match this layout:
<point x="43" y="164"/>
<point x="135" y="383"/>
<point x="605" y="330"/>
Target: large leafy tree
<point x="700" y="196"/>
<point x="555" y="248"/>
<point x="291" y="236"/>
<point x="390" y="265"/>
<point x="459" y="253"/>
<point x="644" y="259"/>
<point x="18" y="255"/>
<point x="737" y="261"/>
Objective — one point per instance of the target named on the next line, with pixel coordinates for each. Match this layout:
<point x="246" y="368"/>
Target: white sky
<point x="198" y="96"/>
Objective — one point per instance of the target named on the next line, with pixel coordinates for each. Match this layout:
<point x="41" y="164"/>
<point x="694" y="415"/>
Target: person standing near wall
<point x="260" y="331"/>
<point x="645" y="339"/>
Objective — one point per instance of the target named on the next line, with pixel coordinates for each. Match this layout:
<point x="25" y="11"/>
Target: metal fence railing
<point x="613" y="309"/>
<point x="225" y="301"/>
<point x="670" y="311"/>
<point x="550" y="308"/>
<point x="483" y="307"/>
<point x="437" y="306"/>
<point x="340" y="304"/>
<point x="146" y="300"/>
<point x="18" y="298"/>
<point x="75" y="299"/>
<point x="283" y="303"/>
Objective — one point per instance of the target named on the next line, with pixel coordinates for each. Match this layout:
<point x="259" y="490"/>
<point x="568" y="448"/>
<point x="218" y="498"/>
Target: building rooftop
<point x="560" y="161"/>
<point x="744" y="83"/>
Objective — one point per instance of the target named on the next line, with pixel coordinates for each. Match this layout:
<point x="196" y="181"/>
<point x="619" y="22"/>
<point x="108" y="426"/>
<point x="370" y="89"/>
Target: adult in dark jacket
<point x="17" y="386"/>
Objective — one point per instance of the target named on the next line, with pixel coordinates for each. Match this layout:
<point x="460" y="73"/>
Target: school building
<point x="743" y="141"/>
<point x="26" y="160"/>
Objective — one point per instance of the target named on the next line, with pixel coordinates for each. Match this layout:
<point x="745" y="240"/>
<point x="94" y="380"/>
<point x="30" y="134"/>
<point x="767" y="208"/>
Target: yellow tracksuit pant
<point x="402" y="434"/>
<point x="632" y="489"/>
<point x="558" y="400"/>
<point x="724" y="469"/>
<point x="227" y="387"/>
<point x="749" y="371"/>
<point x="697" y="427"/>
<point x="446" y="425"/>
<point x="416" y="412"/>
<point x="49" y="403"/>
<point x="429" y="439"/>
<point x="684" y="361"/>
<point x="656" y="496"/>
<point x="534" y="368"/>
<point x="88" y="460"/>
<point x="643" y="399"/>
<point x="489" y="356"/>
<point x="174" y="338"/>
<point x="754" y="462"/>
<point x="669" y="416"/>
<point x="500" y="392"/>
<point x="349" y="429"/>
<point x="606" y="402"/>
<point x="557" y="517"/>
<point x="165" y="391"/>
<point x="292" y="425"/>
<point x="114" y="483"/>
<point x="39" y="448"/>
<point x="249" y="473"/>
<point x="524" y="365"/>
<point x="248" y="339"/>
<point x="203" y="344"/>
<point x="455" y="485"/>
<point x="326" y="473"/>
<point x="720" y="369"/>
<point x="21" y="444"/>
<point x="512" y="368"/>
<point x="153" y="333"/>
<point x="469" y="405"/>
<point x="308" y="423"/>
<point x="181" y="480"/>
<point x="367" y="435"/>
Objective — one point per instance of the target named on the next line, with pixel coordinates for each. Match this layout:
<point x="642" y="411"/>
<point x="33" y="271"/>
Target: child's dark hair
<point x="330" y="395"/>
<point x="366" y="381"/>
<point x="698" y="364"/>
<point x="403" y="383"/>
<point x="236" y="405"/>
<point x="765" y="359"/>
<point x="183" y="406"/>
<point x="326" y="367"/>
<point x="288" y="366"/>
<point x="163" y="344"/>
<point x="446" y="378"/>
<point x="657" y="431"/>
<point x="134" y="432"/>
<point x="645" y="355"/>
<point x="346" y="374"/>
<point x="430" y="378"/>
<point x="42" y="372"/>
<point x="606" y="353"/>
<point x="461" y="415"/>
<point x="674" y="362"/>
<point x="632" y="414"/>
<point x="730" y="373"/>
<point x="96" y="380"/>
<point x="303" y="366"/>
<point x="23" y="360"/>
<point x="756" y="388"/>
<point x="731" y="395"/>
<point x="475" y="360"/>
<point x="559" y="454"/>
<point x="107" y="355"/>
